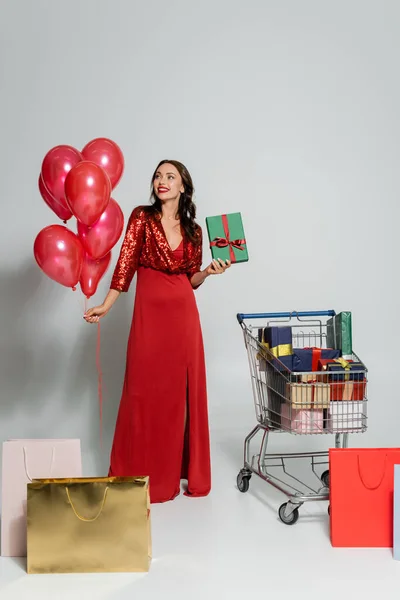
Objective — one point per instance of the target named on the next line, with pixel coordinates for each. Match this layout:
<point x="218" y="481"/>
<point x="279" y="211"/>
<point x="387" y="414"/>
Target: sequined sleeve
<point x="130" y="251"/>
<point x="197" y="257"/>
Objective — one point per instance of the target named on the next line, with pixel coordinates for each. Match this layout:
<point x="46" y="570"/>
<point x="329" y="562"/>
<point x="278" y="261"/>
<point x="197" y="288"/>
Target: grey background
<point x="286" y="111"/>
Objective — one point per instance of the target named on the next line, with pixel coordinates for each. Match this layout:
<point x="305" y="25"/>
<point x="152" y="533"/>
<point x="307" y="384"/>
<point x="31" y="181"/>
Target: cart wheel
<point x="325" y="478"/>
<point x="329" y="510"/>
<point x="291" y="519"/>
<point x="243" y="482"/>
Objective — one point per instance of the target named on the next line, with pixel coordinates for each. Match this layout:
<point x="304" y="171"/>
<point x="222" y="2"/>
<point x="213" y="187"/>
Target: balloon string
<point x="80" y="303"/>
<point x="100" y="383"/>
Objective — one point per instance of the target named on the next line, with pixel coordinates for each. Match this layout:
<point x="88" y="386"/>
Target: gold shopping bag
<point x="89" y="525"/>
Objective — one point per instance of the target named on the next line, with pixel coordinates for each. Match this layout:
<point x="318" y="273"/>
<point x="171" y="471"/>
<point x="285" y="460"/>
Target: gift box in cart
<point x="317" y="393"/>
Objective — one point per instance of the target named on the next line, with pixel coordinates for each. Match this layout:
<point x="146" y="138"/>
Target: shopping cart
<point x="306" y="403"/>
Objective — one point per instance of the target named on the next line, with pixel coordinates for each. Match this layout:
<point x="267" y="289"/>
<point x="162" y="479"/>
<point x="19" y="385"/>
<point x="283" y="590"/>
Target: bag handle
<point x="83" y="518"/>
<point x="53" y="452"/>
<point x="368" y="487"/>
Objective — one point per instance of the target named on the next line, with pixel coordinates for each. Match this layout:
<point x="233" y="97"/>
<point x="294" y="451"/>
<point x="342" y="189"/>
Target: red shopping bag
<point x="361" y="496"/>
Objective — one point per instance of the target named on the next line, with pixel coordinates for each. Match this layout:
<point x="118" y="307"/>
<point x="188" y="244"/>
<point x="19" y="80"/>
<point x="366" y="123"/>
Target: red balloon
<point x="108" y="155"/>
<point x="92" y="271"/>
<point x="55" y="167"/>
<point x="59" y="253"/>
<point x="62" y="213"/>
<point x="87" y="190"/>
<point x="99" y="239"/>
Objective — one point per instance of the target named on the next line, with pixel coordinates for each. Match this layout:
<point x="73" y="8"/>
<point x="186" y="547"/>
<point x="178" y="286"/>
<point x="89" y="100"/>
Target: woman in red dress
<point x="162" y="425"/>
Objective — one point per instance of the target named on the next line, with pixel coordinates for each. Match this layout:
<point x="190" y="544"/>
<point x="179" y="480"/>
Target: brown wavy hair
<point x="187" y="208"/>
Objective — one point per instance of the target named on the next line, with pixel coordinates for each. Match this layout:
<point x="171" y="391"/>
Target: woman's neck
<point x="169" y="210"/>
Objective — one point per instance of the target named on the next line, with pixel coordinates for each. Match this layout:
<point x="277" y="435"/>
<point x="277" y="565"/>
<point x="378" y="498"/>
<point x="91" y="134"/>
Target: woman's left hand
<point x="218" y="266"/>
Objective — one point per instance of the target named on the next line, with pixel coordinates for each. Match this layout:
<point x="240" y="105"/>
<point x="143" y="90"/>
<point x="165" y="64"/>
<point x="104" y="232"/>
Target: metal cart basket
<point x="299" y="403"/>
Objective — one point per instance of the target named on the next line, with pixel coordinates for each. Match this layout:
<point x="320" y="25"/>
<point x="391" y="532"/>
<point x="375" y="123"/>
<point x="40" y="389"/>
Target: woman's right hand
<point x="93" y="315"/>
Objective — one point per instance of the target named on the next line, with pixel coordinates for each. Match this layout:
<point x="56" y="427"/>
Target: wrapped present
<point x="314" y="395"/>
<point x="278" y="340"/>
<point x="275" y="383"/>
<point x="89" y="525"/>
<point x="275" y="401"/>
<point x="308" y="377"/>
<point x="307" y="359"/>
<point x="352" y="390"/>
<point x="339" y="333"/>
<point x="302" y="421"/>
<point x="227" y="239"/>
<point x="346" y="416"/>
<point x="347" y="378"/>
<point x="342" y="370"/>
<point x="348" y="390"/>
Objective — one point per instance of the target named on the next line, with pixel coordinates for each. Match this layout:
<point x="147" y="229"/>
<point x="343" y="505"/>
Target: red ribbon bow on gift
<point x="220" y="242"/>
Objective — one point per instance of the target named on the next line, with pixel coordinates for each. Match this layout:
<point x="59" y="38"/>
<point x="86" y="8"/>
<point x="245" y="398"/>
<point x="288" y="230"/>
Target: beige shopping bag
<point x="89" y="525"/>
<point x="23" y="461"/>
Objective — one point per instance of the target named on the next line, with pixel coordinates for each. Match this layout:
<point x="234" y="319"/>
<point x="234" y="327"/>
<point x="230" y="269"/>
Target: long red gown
<point x="165" y="379"/>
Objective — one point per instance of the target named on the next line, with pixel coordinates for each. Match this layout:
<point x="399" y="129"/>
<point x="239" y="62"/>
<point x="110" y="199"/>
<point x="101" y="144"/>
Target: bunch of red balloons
<point x="79" y="184"/>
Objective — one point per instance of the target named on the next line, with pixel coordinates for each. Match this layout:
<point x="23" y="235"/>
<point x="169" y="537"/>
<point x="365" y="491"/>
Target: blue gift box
<point x="343" y="372"/>
<point x="303" y="358"/>
<point x="278" y="340"/>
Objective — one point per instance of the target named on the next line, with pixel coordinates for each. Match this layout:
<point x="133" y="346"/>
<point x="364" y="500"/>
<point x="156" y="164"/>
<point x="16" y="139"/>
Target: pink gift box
<point x="302" y="420"/>
<point x="24" y="460"/>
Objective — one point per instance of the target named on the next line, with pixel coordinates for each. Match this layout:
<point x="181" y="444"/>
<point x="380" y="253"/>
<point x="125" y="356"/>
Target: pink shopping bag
<point x="24" y="460"/>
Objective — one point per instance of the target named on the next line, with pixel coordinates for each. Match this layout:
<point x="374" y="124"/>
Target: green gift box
<point x="227" y="240"/>
<point x="339" y="333"/>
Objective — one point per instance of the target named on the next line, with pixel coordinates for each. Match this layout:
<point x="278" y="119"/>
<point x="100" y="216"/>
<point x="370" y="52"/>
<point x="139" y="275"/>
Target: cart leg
<point x="290" y="507"/>
<point x="263" y="452"/>
<point x="244" y="476"/>
<point x="342" y="442"/>
<point x="246" y="457"/>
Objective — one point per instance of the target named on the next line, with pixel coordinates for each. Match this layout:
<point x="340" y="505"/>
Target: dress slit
<point x="186" y="435"/>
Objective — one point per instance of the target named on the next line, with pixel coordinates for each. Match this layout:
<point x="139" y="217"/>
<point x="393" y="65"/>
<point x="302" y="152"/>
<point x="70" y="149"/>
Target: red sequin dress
<point x="165" y="379"/>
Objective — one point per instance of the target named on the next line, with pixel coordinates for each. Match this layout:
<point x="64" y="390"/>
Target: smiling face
<point x="167" y="183"/>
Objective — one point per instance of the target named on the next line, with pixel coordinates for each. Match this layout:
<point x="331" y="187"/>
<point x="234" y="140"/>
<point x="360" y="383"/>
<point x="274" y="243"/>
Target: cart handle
<point x="281" y="315"/>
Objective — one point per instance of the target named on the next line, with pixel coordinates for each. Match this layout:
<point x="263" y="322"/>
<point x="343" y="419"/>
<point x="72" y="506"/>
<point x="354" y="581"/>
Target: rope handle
<point x="83" y="518"/>
<point x="368" y="487"/>
<point x="26" y="462"/>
